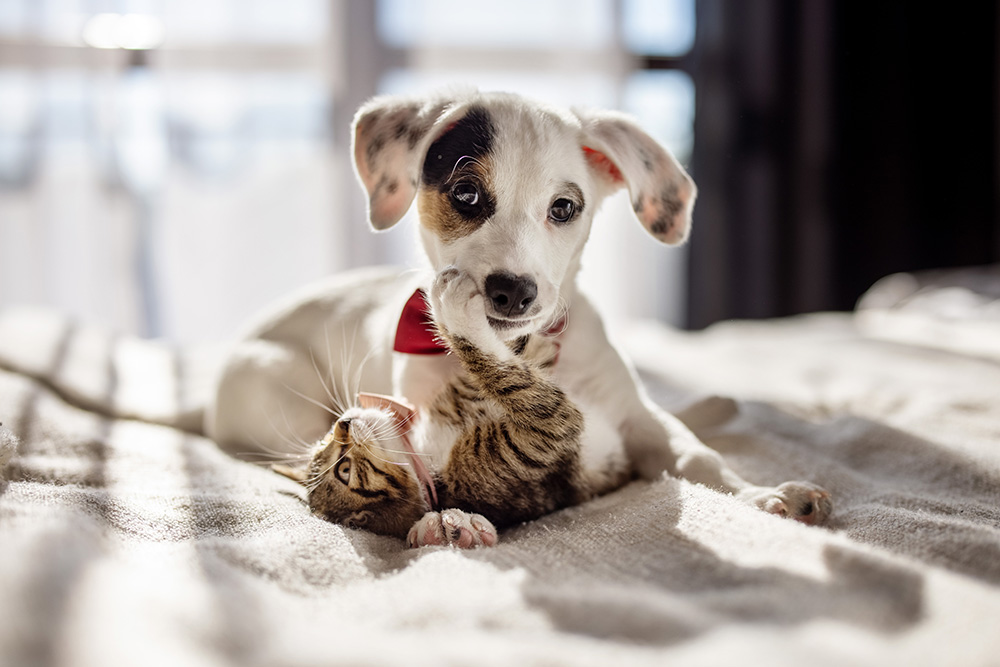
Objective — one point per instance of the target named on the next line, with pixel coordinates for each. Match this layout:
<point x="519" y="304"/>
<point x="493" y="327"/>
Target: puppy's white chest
<point x="602" y="448"/>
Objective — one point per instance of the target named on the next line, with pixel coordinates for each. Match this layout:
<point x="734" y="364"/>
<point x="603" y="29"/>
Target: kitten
<point x="499" y="445"/>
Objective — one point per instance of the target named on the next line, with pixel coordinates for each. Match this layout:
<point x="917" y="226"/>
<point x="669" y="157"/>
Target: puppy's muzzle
<point x="511" y="296"/>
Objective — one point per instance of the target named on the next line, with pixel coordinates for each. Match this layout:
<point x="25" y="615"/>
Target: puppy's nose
<point x="510" y="295"/>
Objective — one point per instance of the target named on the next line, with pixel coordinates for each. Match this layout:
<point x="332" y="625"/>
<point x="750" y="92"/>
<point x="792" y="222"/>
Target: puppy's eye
<point x="562" y="210"/>
<point x="343" y="471"/>
<point x="465" y="194"/>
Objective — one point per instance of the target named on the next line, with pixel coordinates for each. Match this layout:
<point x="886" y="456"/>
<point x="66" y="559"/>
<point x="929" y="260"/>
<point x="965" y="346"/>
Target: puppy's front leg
<point x="651" y="430"/>
<point x="657" y="441"/>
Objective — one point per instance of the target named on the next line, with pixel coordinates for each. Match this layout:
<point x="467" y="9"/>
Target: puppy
<point x="506" y="190"/>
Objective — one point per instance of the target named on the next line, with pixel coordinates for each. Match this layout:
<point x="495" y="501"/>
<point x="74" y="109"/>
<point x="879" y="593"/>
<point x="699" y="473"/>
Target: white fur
<point x="536" y="150"/>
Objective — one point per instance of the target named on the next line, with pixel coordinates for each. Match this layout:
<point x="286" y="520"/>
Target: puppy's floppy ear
<point x="391" y="136"/>
<point x="622" y="154"/>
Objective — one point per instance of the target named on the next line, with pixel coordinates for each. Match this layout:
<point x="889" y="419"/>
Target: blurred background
<point x="167" y="167"/>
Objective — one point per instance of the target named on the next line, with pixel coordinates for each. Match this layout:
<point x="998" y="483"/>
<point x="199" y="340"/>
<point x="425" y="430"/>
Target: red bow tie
<point x="416" y="333"/>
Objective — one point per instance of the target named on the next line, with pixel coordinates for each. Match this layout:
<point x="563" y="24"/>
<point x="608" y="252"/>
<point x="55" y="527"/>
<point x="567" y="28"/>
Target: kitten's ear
<point x="295" y="474"/>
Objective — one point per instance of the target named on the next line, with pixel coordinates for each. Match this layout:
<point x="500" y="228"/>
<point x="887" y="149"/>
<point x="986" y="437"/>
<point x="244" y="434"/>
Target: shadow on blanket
<point x="705" y="587"/>
<point x="894" y="490"/>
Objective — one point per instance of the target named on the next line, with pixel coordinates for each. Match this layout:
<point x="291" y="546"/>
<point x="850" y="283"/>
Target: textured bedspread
<point x="127" y="542"/>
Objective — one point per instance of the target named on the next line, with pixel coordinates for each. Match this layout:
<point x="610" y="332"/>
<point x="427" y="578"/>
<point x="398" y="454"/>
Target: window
<point x="170" y="167"/>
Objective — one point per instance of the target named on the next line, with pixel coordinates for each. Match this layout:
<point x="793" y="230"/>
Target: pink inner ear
<point x="601" y="162"/>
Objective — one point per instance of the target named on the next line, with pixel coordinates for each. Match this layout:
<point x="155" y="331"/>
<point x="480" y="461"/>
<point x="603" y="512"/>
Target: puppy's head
<point x="507" y="189"/>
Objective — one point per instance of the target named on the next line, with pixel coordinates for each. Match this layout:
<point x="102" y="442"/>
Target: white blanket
<point x="127" y="542"/>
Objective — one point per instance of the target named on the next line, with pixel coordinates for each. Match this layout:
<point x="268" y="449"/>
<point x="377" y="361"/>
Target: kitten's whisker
<point x="290" y="437"/>
<point x="315" y="480"/>
<point x="292" y="443"/>
<point x="342" y="401"/>
<point x="319" y="376"/>
<point x="311" y="400"/>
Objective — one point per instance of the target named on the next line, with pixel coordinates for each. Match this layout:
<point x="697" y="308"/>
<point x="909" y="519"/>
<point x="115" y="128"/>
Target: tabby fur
<point x="516" y="455"/>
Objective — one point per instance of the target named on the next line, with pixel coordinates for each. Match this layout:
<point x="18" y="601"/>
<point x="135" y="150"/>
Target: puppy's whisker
<point x="458" y="163"/>
<point x="560" y="316"/>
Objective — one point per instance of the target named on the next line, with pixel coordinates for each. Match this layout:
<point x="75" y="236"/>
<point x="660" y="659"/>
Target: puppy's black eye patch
<point x="470" y="137"/>
<point x="458" y="166"/>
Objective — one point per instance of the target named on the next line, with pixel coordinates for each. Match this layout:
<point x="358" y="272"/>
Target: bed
<point x="127" y="537"/>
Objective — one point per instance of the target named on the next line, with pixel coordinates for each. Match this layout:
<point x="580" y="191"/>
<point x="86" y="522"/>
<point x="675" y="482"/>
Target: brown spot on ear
<point x="662" y="227"/>
<point x="375" y="147"/>
<point x="662" y="214"/>
<point x="415" y="135"/>
<point x="670" y="201"/>
<point x="385" y="186"/>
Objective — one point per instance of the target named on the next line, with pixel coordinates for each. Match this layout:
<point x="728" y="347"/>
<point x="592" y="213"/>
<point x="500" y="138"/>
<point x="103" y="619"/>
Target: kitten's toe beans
<point x="452" y="527"/>
<point x="485" y="531"/>
<point x="427" y="532"/>
<point x="457" y="528"/>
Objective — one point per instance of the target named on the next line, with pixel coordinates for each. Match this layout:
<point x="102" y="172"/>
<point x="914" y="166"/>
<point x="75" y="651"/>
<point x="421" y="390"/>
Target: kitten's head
<point x="361" y="476"/>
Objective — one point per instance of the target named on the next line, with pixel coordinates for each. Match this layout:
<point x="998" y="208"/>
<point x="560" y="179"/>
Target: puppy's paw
<point x="452" y="528"/>
<point x="460" y="308"/>
<point x="801" y="501"/>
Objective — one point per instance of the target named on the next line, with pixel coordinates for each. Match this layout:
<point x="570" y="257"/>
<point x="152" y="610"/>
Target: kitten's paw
<point x="460" y="308"/>
<point x="801" y="501"/>
<point x="452" y="528"/>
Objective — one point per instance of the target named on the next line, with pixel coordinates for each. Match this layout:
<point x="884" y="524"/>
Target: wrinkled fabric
<point x="128" y="538"/>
